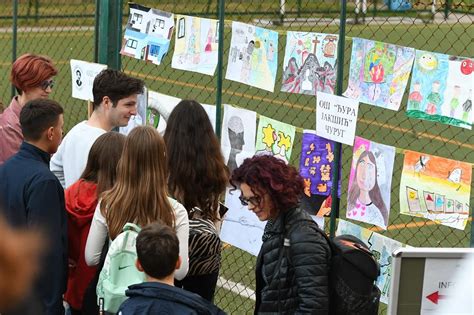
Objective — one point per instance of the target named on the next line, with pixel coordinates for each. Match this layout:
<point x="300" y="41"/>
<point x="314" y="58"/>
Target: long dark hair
<point x="102" y="161"/>
<point x="197" y="172"/>
<point x="374" y="194"/>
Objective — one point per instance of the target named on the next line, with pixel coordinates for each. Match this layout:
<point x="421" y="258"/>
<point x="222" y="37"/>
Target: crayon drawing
<point x="442" y="88"/>
<point x="379" y="73"/>
<point x="196" y="43"/>
<point x="238" y="135"/>
<point x="370" y="180"/>
<point x="253" y="56"/>
<point x="381" y="246"/>
<point x="274" y="138"/>
<point x="310" y="63"/>
<point x="435" y="188"/>
<point x="147" y="34"/>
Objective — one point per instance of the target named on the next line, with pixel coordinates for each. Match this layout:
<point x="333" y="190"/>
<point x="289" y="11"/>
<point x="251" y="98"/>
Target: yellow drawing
<point x="330" y="155"/>
<point x="306" y="162"/>
<point x="322" y="187"/>
<point x="325" y="172"/>
<point x="311" y="148"/>
<point x="316" y="159"/>
<point x="269" y="136"/>
<point x="307" y="186"/>
<point x="312" y="170"/>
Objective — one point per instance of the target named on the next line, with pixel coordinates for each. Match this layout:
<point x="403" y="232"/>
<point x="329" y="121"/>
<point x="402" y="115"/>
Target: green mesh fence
<point x="64" y="30"/>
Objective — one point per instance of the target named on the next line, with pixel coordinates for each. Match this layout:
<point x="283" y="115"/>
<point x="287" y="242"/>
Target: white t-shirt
<point x="99" y="231"/>
<point x="70" y="160"/>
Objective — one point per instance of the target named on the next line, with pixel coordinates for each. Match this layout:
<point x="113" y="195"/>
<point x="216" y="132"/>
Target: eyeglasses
<point x="47" y="83"/>
<point x="254" y="200"/>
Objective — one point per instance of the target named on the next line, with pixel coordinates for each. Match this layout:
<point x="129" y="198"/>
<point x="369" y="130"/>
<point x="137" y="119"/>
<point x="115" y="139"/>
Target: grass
<point x="384" y="126"/>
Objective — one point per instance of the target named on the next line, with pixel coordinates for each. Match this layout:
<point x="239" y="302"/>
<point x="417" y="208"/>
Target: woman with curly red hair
<point x="293" y="264"/>
<point x="32" y="76"/>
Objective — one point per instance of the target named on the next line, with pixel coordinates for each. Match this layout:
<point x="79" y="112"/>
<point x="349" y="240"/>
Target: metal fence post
<point x="220" y="65"/>
<point x="447" y="8"/>
<point x="110" y="33"/>
<point x="14" y="38"/>
<point x="338" y="146"/>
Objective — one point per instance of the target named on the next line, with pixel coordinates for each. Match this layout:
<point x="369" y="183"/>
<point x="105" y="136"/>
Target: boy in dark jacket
<point x="158" y="256"/>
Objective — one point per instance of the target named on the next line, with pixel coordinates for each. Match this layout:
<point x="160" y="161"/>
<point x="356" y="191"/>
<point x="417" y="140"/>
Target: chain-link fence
<point x="64" y="30"/>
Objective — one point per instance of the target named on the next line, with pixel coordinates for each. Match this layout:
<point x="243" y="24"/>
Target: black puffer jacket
<point x="298" y="285"/>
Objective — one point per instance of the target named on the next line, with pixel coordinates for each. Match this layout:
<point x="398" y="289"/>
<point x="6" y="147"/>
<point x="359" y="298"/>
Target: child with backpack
<point x="158" y="257"/>
<point x="139" y="196"/>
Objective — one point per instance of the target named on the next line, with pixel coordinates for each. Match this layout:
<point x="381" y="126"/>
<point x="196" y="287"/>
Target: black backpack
<point x="352" y="276"/>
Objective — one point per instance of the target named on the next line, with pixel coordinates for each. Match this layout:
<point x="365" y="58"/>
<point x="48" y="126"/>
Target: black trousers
<point x="204" y="285"/>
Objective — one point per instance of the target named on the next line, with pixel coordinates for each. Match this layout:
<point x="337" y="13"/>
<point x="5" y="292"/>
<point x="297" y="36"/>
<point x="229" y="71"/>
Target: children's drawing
<point x="379" y="72"/>
<point x="381" y="246"/>
<point x="253" y="56"/>
<point x="196" y="43"/>
<point x="442" y="89"/>
<point x="316" y="168"/>
<point x="238" y="135"/>
<point x="161" y="105"/>
<point x="148" y="33"/>
<point x="310" y="63"/>
<point x="140" y="118"/>
<point x="241" y="227"/>
<point x="274" y="138"/>
<point x="370" y="182"/>
<point x="83" y="75"/>
<point x="435" y="188"/>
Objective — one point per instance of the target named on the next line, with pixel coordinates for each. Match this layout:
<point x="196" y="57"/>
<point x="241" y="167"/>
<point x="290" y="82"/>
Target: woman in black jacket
<point x="293" y="263"/>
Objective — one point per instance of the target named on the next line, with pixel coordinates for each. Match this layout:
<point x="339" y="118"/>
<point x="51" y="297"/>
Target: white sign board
<point x="83" y="74"/>
<point x="336" y="117"/>
<point x="447" y="287"/>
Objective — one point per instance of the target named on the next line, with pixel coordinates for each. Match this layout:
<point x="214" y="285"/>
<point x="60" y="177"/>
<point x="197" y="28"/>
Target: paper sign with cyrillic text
<point x="336" y="117"/>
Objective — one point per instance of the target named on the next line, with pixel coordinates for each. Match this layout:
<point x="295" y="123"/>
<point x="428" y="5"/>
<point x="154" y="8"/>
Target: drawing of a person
<point x="271" y="52"/>
<point x="434" y="99"/>
<point x="236" y="138"/>
<point x="78" y="78"/>
<point x="454" y="104"/>
<point x="365" y="202"/>
<point x="467" y="107"/>
<point x="290" y="73"/>
<point x="415" y="97"/>
<point x="208" y="47"/>
<point x="247" y="62"/>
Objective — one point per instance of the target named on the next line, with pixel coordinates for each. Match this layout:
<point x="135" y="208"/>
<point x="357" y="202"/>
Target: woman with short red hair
<point x="32" y="76"/>
<point x="292" y="269"/>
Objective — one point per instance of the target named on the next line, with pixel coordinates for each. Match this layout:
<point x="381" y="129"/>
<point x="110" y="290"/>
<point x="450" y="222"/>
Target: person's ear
<point x="139" y="266"/>
<point x="178" y="263"/>
<point x="106" y="102"/>
<point x="50" y="133"/>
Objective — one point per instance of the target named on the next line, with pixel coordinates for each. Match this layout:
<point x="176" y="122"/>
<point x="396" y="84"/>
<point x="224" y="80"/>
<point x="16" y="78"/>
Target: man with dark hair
<point x="32" y="197"/>
<point x="158" y="256"/>
<point x="115" y="101"/>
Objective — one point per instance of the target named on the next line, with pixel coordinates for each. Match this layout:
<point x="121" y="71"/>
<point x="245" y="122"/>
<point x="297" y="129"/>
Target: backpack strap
<point x="131" y="227"/>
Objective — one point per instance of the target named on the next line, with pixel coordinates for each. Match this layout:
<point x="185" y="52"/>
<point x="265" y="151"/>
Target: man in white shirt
<point x="115" y="101"/>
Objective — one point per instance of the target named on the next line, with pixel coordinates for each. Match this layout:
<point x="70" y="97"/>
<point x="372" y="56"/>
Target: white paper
<point x="241" y="227"/>
<point x="164" y="104"/>
<point x="83" y="74"/>
<point x="336" y="117"/>
<point x="238" y="135"/>
<point x="447" y="286"/>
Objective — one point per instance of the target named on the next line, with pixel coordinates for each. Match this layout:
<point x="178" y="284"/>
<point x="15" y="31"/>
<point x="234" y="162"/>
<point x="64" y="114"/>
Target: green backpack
<point x="119" y="270"/>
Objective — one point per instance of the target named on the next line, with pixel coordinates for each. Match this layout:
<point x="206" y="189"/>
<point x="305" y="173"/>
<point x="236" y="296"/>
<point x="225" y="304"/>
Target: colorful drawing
<point x="379" y="73"/>
<point x="196" y="43"/>
<point x="238" y="135"/>
<point x="413" y="200"/>
<point x="253" y="56"/>
<point x="148" y="33"/>
<point x="370" y="182"/>
<point x="310" y="63"/>
<point x="316" y="168"/>
<point x="442" y="89"/>
<point x="444" y="184"/>
<point x="241" y="227"/>
<point x="162" y="105"/>
<point x="382" y="247"/>
<point x="274" y="138"/>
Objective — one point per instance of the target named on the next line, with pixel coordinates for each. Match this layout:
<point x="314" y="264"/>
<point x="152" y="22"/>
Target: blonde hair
<point x="139" y="194"/>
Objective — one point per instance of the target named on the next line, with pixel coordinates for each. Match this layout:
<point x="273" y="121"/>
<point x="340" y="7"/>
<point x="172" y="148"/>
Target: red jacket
<point x="81" y="201"/>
